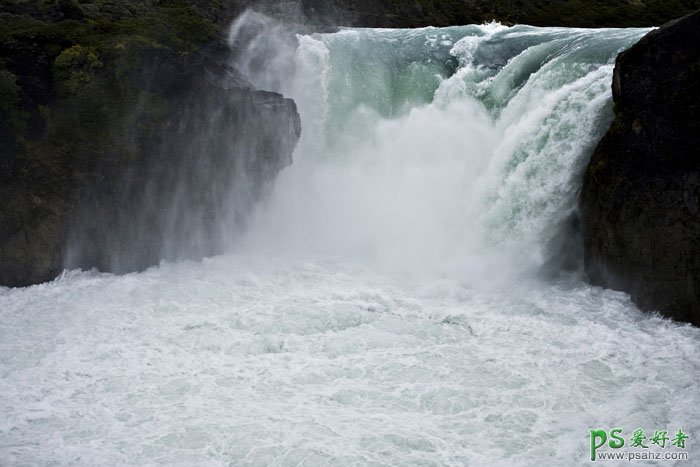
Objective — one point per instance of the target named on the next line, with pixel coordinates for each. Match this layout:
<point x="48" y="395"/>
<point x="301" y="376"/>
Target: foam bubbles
<point x="248" y="361"/>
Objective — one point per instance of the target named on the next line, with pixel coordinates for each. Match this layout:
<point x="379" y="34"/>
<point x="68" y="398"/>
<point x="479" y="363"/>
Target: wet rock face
<point x="170" y="174"/>
<point x="125" y="135"/>
<point x="189" y="191"/>
<point x="641" y="194"/>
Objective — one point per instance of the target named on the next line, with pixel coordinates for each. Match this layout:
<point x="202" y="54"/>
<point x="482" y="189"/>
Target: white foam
<point x="252" y="361"/>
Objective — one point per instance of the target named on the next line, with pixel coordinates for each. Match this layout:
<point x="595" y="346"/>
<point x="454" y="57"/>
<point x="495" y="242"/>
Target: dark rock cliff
<point x="125" y="138"/>
<point x="641" y="194"/>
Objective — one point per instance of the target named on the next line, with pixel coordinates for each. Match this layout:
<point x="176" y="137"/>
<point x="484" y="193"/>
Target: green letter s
<point x="614" y="435"/>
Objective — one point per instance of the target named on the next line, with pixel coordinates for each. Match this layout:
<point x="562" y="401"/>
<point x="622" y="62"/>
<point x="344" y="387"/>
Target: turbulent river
<point x="409" y="293"/>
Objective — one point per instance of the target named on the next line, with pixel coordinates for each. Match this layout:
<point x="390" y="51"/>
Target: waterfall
<point x="455" y="150"/>
<point x="386" y="305"/>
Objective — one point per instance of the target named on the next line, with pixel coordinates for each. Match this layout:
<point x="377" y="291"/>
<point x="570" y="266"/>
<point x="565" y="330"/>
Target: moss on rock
<point x="93" y="96"/>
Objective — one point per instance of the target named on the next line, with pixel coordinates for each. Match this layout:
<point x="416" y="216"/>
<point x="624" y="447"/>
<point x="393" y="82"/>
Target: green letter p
<point x="602" y="437"/>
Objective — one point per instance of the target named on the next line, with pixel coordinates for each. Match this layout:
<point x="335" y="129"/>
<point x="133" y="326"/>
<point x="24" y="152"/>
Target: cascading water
<point x="456" y="150"/>
<point x="386" y="306"/>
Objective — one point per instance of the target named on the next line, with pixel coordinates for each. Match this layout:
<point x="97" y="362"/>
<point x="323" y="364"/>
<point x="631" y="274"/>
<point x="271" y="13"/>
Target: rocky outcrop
<point x="195" y="177"/>
<point x="640" y="200"/>
<point x="125" y="138"/>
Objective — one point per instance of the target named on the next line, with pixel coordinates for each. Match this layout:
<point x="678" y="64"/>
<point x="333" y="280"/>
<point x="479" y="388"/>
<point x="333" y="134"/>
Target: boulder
<point x="640" y="199"/>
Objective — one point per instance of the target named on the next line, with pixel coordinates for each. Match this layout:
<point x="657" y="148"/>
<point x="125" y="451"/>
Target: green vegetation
<point x="88" y="91"/>
<point x="101" y="23"/>
<point x="69" y="69"/>
<point x="9" y="100"/>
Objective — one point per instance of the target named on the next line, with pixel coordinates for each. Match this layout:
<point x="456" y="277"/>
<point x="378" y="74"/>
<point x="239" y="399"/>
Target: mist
<point x="203" y="145"/>
<point x="454" y="151"/>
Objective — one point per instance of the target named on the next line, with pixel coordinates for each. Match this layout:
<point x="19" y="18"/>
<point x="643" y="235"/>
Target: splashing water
<point x="386" y="307"/>
<point x="454" y="150"/>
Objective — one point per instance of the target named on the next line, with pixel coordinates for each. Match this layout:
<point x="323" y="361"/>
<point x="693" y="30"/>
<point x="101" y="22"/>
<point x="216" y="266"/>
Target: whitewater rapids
<point x="388" y="304"/>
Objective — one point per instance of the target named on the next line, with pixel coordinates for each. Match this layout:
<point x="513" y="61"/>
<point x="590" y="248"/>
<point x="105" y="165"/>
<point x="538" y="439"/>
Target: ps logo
<point x="599" y="437"/>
